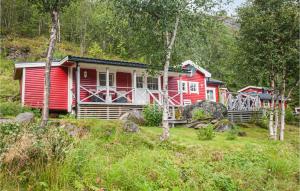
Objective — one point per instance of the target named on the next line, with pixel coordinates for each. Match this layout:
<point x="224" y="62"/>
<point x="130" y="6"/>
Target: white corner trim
<point x="34" y="64"/>
<point x="23" y="87"/>
<point x="202" y="70"/>
<point x="70" y="86"/>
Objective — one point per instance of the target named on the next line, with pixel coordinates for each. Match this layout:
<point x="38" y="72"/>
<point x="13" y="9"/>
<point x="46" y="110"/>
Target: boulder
<point x="135" y="116"/>
<point x="213" y="109"/>
<point x="223" y="125"/>
<point x="131" y="127"/>
<point x="242" y="134"/>
<point x="24" y="117"/>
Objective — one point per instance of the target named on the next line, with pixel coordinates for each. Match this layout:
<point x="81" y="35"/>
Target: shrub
<point x="153" y="115"/>
<point x="200" y="114"/>
<point x="289" y="115"/>
<point x="206" y="133"/>
<point x="232" y="133"/>
<point x="14" y="108"/>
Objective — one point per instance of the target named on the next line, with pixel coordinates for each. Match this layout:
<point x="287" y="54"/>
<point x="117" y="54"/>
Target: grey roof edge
<point x="118" y="63"/>
<point x="214" y="81"/>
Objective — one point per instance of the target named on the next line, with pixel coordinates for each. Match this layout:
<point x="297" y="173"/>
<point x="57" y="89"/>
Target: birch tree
<point x="268" y="40"/>
<point x="53" y="7"/>
<point x="158" y="23"/>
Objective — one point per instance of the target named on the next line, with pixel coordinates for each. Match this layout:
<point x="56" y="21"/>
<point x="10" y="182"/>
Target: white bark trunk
<point x="169" y="43"/>
<point x="276" y="117"/>
<point x="271" y="120"/>
<point x="282" y="119"/>
<point x="45" y="113"/>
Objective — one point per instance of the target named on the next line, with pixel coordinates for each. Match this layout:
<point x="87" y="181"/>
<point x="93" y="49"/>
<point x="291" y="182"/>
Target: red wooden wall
<point x="197" y="77"/>
<point x="34" y="88"/>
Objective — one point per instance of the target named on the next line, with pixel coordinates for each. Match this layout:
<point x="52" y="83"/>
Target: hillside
<point x="107" y="157"/>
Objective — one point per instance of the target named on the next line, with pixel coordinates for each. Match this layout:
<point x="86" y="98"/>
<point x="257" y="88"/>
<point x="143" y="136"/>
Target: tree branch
<point x="170" y="44"/>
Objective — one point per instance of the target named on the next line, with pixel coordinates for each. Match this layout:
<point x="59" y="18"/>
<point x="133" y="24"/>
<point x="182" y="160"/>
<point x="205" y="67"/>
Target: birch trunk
<point x="271" y="120"/>
<point x="169" y="43"/>
<point x="45" y="113"/>
<point x="282" y="118"/>
<point x="276" y="117"/>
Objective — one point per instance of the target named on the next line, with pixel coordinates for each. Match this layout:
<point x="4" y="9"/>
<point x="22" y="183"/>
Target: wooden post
<point x="134" y="87"/>
<point x="180" y="91"/>
<point x="107" y="85"/>
<point x="23" y="86"/>
<point x="78" y="88"/>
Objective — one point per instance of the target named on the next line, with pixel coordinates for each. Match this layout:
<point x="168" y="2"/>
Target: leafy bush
<point x="200" y="114"/>
<point x="206" y="133"/>
<point x="153" y="115"/>
<point x="289" y="115"/>
<point x="232" y="133"/>
<point x="14" y="108"/>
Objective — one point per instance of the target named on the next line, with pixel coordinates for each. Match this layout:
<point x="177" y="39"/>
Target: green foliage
<point x="95" y="51"/>
<point x="14" y="108"/>
<point x="153" y="115"/>
<point x="232" y="133"/>
<point x="206" y="133"/>
<point x="199" y="114"/>
<point x="289" y="115"/>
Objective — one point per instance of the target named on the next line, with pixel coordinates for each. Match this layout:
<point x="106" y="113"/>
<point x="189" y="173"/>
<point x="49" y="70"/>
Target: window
<point x="266" y="103"/>
<point x="210" y="94"/>
<point x="194" y="87"/>
<point x="139" y="82"/>
<point x="183" y="86"/>
<point x="152" y="83"/>
<point x="102" y="79"/>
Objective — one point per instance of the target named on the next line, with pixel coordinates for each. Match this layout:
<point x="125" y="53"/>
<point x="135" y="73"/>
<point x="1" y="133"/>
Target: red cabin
<point x="97" y="88"/>
<point x="264" y="94"/>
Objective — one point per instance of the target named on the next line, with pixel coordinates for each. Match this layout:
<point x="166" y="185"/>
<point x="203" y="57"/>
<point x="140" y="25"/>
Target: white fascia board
<point x="34" y="64"/>
<point x="202" y="70"/>
<point x="255" y="87"/>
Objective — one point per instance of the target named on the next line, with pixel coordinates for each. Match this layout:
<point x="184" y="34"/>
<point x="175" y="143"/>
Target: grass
<point x="109" y="158"/>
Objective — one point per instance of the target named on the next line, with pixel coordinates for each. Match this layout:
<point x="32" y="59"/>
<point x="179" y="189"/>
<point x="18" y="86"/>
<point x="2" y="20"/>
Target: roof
<point x="214" y="81"/>
<point x="254" y="87"/>
<point x="199" y="68"/>
<point x="97" y="61"/>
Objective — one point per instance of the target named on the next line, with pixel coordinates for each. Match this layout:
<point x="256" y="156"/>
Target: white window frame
<point x="110" y="72"/>
<point x="186" y="86"/>
<point x="214" y="93"/>
<point x="266" y="104"/>
<point x="148" y="82"/>
<point x="196" y="86"/>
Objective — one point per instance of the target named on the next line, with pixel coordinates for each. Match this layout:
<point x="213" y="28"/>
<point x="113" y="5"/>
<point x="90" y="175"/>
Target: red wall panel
<point x="89" y="82"/>
<point x="34" y="88"/>
<point x="197" y="77"/>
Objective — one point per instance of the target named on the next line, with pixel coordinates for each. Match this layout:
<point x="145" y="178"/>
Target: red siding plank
<point x="34" y="88"/>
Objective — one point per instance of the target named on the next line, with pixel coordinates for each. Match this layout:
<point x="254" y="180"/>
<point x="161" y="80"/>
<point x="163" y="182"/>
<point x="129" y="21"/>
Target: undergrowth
<point x="108" y="158"/>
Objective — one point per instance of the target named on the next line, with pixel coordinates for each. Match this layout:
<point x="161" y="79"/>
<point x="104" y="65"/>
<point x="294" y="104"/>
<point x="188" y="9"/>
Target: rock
<point x="214" y="121"/>
<point x="6" y="120"/>
<point x="223" y="125"/>
<point x="216" y="110"/>
<point x="200" y="125"/>
<point x="242" y="134"/>
<point x="24" y="117"/>
<point x="135" y="116"/>
<point x="131" y="127"/>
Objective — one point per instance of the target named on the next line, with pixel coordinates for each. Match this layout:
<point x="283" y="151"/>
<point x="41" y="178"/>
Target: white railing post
<point x="107" y="85"/>
<point x="134" y="87"/>
<point x="78" y="84"/>
<point x="180" y="91"/>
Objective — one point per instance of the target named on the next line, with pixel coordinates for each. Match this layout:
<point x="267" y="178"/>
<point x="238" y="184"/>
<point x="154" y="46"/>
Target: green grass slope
<point x="107" y="157"/>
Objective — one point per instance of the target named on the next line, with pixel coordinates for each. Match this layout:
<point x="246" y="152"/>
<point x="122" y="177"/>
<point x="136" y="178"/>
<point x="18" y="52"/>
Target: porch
<point x="108" y="92"/>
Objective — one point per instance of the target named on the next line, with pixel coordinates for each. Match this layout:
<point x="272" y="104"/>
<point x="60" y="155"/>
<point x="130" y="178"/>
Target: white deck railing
<point x="92" y="94"/>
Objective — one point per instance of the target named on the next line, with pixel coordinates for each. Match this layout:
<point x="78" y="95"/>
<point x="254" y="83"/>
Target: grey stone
<point x="135" y="116"/>
<point x="24" y="117"/>
<point x="223" y="125"/>
<point x="131" y="127"/>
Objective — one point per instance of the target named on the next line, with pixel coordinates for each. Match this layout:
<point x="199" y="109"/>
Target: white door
<point x="141" y="94"/>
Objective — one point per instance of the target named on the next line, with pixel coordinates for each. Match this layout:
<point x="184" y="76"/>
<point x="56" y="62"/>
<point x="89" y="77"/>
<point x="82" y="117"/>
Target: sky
<point x="233" y="5"/>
